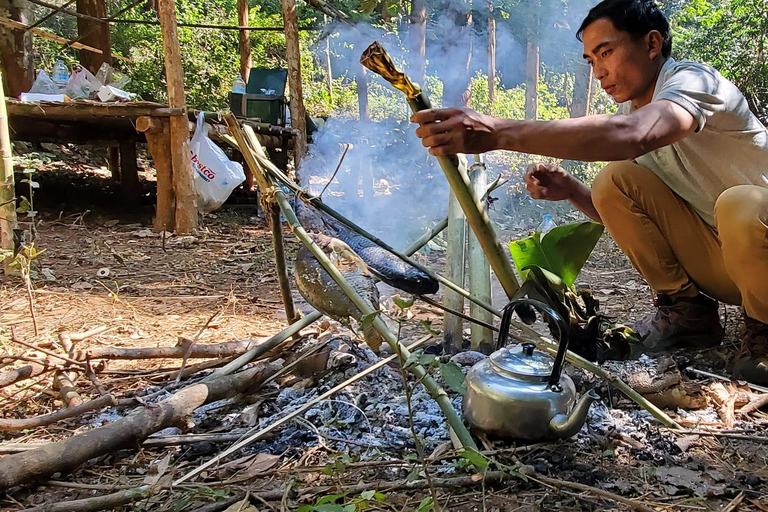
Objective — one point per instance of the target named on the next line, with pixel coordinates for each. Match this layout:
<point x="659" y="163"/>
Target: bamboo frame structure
<point x="376" y="59"/>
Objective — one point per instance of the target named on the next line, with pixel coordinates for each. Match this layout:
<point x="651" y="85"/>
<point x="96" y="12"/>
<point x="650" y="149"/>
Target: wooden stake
<point x="7" y="188"/>
<point x="455" y="265"/>
<point x="280" y="267"/>
<point x="479" y="270"/>
<point x="328" y="68"/>
<point x="244" y="40"/>
<point x="183" y="185"/>
<point x="158" y="134"/>
<point x="293" y="57"/>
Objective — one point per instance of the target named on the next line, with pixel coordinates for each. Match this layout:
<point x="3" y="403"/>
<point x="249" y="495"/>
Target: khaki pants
<point x="675" y="250"/>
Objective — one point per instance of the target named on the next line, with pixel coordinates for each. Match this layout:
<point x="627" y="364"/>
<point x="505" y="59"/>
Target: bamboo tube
<point x="479" y="271"/>
<point x="7" y="188"/>
<point x="455" y="268"/>
<point x="376" y="59"/>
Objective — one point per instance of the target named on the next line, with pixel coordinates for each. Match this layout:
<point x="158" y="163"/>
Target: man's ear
<point x="654" y="41"/>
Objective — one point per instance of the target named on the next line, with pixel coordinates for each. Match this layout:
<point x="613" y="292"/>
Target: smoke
<point x="387" y="182"/>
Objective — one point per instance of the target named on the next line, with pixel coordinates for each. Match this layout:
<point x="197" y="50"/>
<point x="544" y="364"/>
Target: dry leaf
<point x="157" y="469"/>
<point x="242" y="506"/>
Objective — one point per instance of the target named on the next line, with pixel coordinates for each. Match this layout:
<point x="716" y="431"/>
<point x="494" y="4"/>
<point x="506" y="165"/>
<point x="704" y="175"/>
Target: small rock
<point x="468" y="358"/>
<point x="527" y="470"/>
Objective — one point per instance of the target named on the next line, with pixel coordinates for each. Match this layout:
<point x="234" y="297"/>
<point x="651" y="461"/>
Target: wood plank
<point x="183" y="186"/>
<point x="89" y="110"/>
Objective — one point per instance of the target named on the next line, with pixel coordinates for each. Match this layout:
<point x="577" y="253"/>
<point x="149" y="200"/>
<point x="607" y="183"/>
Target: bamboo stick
<point x="479" y="270"/>
<point x="7" y="186"/>
<point x="376" y="59"/>
<point x="280" y="267"/>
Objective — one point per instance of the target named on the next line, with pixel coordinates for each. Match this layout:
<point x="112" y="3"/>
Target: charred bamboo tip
<point x="376" y="58"/>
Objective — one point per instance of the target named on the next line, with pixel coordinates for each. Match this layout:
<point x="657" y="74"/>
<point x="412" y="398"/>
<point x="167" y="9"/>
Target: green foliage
<point x="562" y="251"/>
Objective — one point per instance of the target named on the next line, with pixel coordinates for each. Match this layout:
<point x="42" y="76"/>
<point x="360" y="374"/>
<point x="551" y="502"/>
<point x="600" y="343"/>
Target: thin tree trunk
<point x="293" y="57"/>
<point x="183" y="185"/>
<point x="418" y="21"/>
<point x="491" y="55"/>
<point x="582" y="91"/>
<point x="328" y="68"/>
<point x="16" y="57"/>
<point x="97" y="34"/>
<point x="362" y="93"/>
<point x="456" y="80"/>
<point x="532" y="67"/>
<point x="7" y="188"/>
<point x="244" y="40"/>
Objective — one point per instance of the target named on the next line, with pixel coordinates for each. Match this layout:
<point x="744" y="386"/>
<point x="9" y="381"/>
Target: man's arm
<point x="590" y="138"/>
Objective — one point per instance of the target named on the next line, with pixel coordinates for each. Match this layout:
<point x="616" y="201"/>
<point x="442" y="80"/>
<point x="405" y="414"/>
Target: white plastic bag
<point x="216" y="176"/>
<point x="44" y="85"/>
<point x="82" y="83"/>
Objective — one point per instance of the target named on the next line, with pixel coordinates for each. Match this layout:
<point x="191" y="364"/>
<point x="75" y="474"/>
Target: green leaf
<point x="367" y="495"/>
<point x="426" y="505"/>
<point x="329" y="498"/>
<point x="562" y="251"/>
<point x="427" y="324"/>
<point x="402" y="303"/>
<point x="453" y="377"/>
<point x="367" y="6"/>
<point x="475" y="458"/>
<point x="24" y="205"/>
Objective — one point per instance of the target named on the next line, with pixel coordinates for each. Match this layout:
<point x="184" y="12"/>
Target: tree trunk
<point x="532" y="67"/>
<point x="97" y="34"/>
<point x="418" y="21"/>
<point x="293" y="57"/>
<point x="362" y="93"/>
<point x="16" y="55"/>
<point x="456" y="80"/>
<point x="183" y="185"/>
<point x="7" y="189"/>
<point x="582" y="91"/>
<point x="244" y="40"/>
<point x="491" y="55"/>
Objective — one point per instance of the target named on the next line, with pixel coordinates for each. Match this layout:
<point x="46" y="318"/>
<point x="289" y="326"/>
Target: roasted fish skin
<point x="319" y="289"/>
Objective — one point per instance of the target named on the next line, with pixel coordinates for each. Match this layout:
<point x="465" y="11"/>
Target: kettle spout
<point x="563" y="426"/>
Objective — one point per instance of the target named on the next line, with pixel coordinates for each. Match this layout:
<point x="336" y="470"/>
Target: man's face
<point x="624" y="65"/>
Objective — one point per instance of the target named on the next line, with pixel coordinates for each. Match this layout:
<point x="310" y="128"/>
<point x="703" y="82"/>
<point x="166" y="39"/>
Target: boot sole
<point x="699" y="341"/>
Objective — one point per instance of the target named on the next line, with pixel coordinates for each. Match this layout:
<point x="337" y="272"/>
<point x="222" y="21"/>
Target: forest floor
<point x="104" y="269"/>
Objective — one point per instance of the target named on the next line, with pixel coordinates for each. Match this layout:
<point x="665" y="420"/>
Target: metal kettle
<point x="520" y="392"/>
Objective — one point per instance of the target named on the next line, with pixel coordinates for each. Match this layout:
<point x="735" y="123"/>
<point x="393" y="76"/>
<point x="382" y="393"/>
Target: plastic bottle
<point x="238" y="86"/>
<point x="60" y="75"/>
<point x="547" y="224"/>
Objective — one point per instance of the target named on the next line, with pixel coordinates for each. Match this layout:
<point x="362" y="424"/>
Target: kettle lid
<point x="523" y="361"/>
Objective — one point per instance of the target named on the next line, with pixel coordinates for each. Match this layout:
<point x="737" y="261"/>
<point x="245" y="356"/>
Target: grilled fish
<point x="320" y="290"/>
<point x="386" y="266"/>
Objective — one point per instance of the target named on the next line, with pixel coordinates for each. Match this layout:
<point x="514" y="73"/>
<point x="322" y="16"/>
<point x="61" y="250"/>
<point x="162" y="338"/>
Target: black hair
<point x="638" y="17"/>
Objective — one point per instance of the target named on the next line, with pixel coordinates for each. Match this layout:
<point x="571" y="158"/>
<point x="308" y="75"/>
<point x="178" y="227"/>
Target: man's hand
<point x="455" y="130"/>
<point x="549" y="182"/>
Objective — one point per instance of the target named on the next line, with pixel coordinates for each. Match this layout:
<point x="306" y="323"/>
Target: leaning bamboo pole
<point x="7" y="187"/>
<point x="376" y="59"/>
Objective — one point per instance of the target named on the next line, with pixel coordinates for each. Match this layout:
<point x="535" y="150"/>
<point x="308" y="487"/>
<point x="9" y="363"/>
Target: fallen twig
<point x="97" y="503"/>
<point x="16" y="339"/>
<point x="754" y="404"/>
<point x="15" y="425"/>
<point x="62" y="456"/>
<point x="25" y="372"/>
<point x="184" y="347"/>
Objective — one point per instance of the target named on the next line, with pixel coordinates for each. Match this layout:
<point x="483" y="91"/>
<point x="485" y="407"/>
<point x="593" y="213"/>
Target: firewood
<point x="16" y="425"/>
<point x="217" y="350"/>
<point x="62" y="456"/>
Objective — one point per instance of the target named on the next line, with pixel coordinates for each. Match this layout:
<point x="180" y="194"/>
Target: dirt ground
<point x="103" y="267"/>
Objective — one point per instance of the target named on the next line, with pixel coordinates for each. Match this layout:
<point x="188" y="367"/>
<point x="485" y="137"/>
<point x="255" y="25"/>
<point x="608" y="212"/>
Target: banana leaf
<point x="562" y="252"/>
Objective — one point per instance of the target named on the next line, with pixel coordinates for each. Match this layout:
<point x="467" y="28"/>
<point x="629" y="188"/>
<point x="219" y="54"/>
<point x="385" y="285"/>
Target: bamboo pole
<point x="479" y="270"/>
<point x="328" y="67"/>
<point x="280" y="267"/>
<point x="7" y="186"/>
<point x="455" y="267"/>
<point x="183" y="186"/>
<point x="376" y="59"/>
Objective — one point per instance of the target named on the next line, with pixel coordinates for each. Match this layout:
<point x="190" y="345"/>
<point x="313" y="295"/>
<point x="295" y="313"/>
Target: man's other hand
<point x="449" y="131"/>
<point x="549" y="182"/>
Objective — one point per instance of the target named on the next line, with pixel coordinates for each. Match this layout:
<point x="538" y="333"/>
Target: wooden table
<point x="116" y="125"/>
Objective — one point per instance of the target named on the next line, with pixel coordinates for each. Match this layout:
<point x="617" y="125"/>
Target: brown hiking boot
<point x="685" y="322"/>
<point x="752" y="361"/>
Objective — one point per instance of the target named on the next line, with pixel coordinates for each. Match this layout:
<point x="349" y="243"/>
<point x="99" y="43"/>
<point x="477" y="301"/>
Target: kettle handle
<point x="562" y="334"/>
